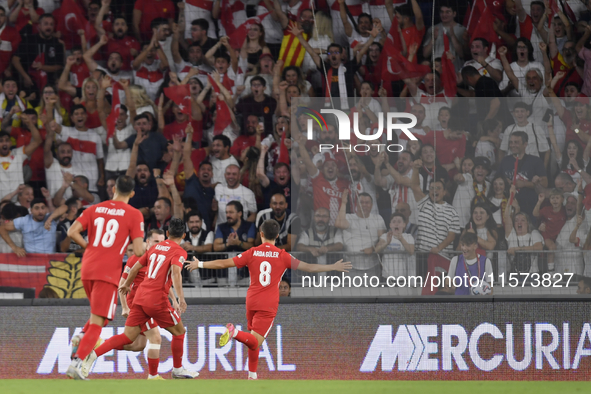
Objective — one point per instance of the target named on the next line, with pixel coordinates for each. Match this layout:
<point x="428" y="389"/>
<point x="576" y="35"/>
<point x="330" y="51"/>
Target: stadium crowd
<point x="194" y="100"/>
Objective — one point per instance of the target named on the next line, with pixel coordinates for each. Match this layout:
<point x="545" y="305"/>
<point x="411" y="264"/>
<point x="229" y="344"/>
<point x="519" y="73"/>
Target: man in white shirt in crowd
<point x="11" y="160"/>
<point x="221" y="158"/>
<point x="87" y="147"/>
<point x="233" y="190"/>
<point x="483" y="62"/>
<point x="361" y="232"/>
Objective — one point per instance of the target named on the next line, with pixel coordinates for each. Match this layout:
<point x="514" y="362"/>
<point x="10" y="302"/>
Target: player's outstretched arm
<point x="177" y="283"/>
<point x="126" y="286"/>
<point x="74" y="233"/>
<point x="338" y="266"/>
<point x="213" y="265"/>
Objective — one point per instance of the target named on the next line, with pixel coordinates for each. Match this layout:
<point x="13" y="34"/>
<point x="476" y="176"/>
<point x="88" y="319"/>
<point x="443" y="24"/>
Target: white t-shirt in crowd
<point x="55" y="178"/>
<point x="242" y="194"/>
<point x="401" y="263"/>
<point x="219" y="168"/>
<point x="528" y="239"/>
<point x="11" y="171"/>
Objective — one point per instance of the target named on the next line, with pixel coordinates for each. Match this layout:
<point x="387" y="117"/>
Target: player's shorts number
<point x="158" y="259"/>
<point x="110" y="235"/>
<point x="265" y="275"/>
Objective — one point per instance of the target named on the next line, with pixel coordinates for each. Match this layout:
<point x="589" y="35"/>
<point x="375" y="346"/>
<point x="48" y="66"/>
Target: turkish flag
<point x="394" y="36"/>
<point x="69" y="19"/>
<point x="448" y="71"/>
<point x="223" y="117"/>
<point x="115" y="110"/>
<point x="396" y="67"/>
<point x="480" y="23"/>
<point x="181" y="96"/>
<point x="239" y="35"/>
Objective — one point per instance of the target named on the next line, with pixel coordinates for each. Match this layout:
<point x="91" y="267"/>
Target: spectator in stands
<point x="24" y="196"/>
<point x="361" y="232"/>
<point x="259" y="104"/>
<point x="585" y="54"/>
<point x="472" y="189"/>
<point x="66" y="244"/>
<point x="29" y="62"/>
<point x="483" y="225"/>
<point x="87" y="155"/>
<point x="9" y="213"/>
<point x="400" y="247"/>
<point x="153" y="145"/>
<point x="521" y="238"/>
<point x="235" y="235"/>
<point x="162" y="214"/>
<point x="199" y="36"/>
<point x="431" y="168"/>
<point x="199" y="185"/>
<point x="149" y="67"/>
<point x="254" y="133"/>
<point x="289" y="222"/>
<point x="79" y="189"/>
<point x="38" y="229"/>
<point x="234" y="191"/>
<point x="197" y="240"/>
<point x="397" y="182"/>
<point x="451" y="144"/>
<point x="9" y="42"/>
<point x="454" y="32"/>
<point x="221" y="158"/>
<point x="404" y="209"/>
<point x="551" y="218"/>
<point x="284" y="287"/>
<point x="145" y="11"/>
<point x="530" y="170"/>
<point x="574" y="231"/>
<point x="482" y="61"/>
<point x="488" y="102"/>
<point x="11" y="171"/>
<point x="471" y="264"/>
<point x="321" y="238"/>
<point x="361" y="182"/>
<point x="114" y="68"/>
<point x="11" y="104"/>
<point x="438" y="224"/>
<point x="524" y="55"/>
<point x="146" y="187"/>
<point x="584" y="286"/>
<point x="127" y="46"/>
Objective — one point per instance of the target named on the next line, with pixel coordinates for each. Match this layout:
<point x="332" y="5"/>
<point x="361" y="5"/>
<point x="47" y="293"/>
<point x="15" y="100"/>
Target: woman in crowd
<point x="254" y="45"/>
<point x="483" y="225"/>
<point x="141" y="100"/>
<point x="400" y="247"/>
<point x="50" y="108"/>
<point x="90" y="89"/>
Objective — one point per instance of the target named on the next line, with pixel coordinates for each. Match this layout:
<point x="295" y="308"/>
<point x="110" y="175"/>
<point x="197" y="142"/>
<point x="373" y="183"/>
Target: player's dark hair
<point x="176" y="228"/>
<point x="76" y="107"/>
<point x="202" y="23"/>
<point x="155" y="231"/>
<point x="38" y="201"/>
<point x="237" y="206"/>
<point x="125" y="185"/>
<point x="469" y="239"/>
<point x="270" y="229"/>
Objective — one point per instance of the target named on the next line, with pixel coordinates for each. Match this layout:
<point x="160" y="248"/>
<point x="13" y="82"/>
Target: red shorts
<point x="148" y="325"/>
<point x="164" y="316"/>
<point x="102" y="296"/>
<point x="260" y="321"/>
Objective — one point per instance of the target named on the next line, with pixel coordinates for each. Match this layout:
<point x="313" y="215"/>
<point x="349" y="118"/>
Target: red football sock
<point x="153" y="366"/>
<point x="177" y="350"/>
<point x="253" y="359"/>
<point x="88" y="341"/>
<point x="248" y="339"/>
<point x="115" y="342"/>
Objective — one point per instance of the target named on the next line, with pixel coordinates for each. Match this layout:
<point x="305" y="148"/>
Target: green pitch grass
<point x="102" y="386"/>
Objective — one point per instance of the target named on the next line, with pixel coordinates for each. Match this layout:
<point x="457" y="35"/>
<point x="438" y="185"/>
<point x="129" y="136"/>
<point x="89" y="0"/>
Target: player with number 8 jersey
<point x="110" y="226"/>
<point x="266" y="264"/>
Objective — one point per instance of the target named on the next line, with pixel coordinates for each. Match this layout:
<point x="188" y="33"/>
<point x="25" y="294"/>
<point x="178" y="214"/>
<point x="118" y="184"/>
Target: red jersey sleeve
<point x="526" y="27"/>
<point x="289" y="261"/>
<point x="84" y="218"/>
<point x="142" y="260"/>
<point x="243" y="258"/>
<point x="179" y="258"/>
<point x="128" y="266"/>
<point x="137" y="225"/>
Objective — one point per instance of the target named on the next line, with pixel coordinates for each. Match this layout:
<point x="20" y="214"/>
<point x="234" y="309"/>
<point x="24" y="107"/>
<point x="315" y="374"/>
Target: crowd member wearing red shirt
<point x="164" y="263"/>
<point x="110" y="227"/>
<point x="254" y="132"/>
<point x="552" y="219"/>
<point x="450" y="146"/>
<point x="145" y="11"/>
<point x="266" y="264"/>
<point x="9" y="40"/>
<point x="412" y="32"/>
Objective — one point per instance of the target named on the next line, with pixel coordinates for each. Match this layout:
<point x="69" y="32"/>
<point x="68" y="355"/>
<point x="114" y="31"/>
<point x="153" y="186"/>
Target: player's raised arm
<point x="212" y="265"/>
<point x="338" y="266"/>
